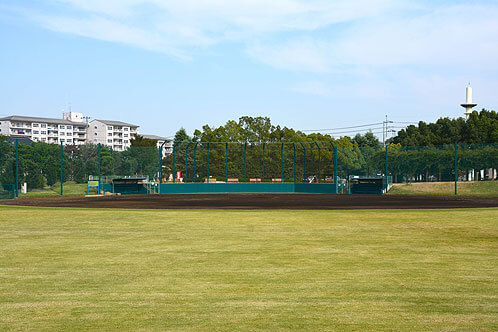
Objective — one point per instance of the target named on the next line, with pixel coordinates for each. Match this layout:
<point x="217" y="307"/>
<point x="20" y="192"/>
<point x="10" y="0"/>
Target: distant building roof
<point x="21" y="140"/>
<point x="116" y="123"/>
<point x="154" y="137"/>
<point x="42" y="120"/>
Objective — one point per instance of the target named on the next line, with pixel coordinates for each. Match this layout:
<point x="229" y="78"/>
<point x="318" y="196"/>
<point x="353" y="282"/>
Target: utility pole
<point x="385" y="130"/>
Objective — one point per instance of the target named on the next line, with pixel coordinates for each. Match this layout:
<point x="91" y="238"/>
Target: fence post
<point x="294" y="145"/>
<point x="17" y="168"/>
<point x="226" y="162"/>
<point x="304" y="164"/>
<point x="282" y="163"/>
<point x="245" y="161"/>
<point x="186" y="162"/>
<point x="335" y="167"/>
<point x="62" y="169"/>
<point x="100" y="165"/>
<point x="264" y="162"/>
<point x="174" y="162"/>
<point x="319" y="159"/>
<point x="456" y="169"/>
<point x="335" y="171"/>
<point x="387" y="167"/>
<point x="160" y="173"/>
<point x="195" y="160"/>
<point x="208" y="163"/>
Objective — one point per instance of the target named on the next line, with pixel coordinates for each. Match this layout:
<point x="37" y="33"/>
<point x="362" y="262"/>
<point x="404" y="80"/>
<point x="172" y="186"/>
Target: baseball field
<point x="71" y="269"/>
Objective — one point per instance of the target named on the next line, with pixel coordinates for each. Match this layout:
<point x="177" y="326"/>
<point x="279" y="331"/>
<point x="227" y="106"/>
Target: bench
<point x="276" y="180"/>
<point x="211" y="181"/>
<point x="255" y="180"/>
<point x="232" y="180"/>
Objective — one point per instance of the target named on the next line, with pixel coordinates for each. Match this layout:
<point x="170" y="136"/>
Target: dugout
<point x="129" y="186"/>
<point x="376" y="185"/>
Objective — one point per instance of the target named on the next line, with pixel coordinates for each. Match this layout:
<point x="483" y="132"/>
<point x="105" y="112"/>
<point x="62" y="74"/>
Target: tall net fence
<point x="39" y="165"/>
<point x="7" y="169"/>
<point x="251" y="162"/>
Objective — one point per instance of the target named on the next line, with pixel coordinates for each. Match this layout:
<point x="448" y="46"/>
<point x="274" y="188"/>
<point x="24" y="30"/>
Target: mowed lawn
<point x="472" y="188"/>
<point x="128" y="270"/>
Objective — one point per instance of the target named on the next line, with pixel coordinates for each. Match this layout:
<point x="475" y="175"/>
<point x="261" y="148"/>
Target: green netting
<point x="140" y="162"/>
<point x="252" y="162"/>
<point x="40" y="163"/>
<point x="7" y="169"/>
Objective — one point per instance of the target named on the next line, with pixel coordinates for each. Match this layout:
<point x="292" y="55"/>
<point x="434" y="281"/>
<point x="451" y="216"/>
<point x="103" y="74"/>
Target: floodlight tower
<point x="468" y="104"/>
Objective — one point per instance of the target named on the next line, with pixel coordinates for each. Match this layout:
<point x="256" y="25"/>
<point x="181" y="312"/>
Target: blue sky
<point x="307" y="64"/>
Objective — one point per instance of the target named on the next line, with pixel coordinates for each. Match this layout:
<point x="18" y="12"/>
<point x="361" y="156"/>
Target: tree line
<point x="40" y="163"/>
<point x="424" y="152"/>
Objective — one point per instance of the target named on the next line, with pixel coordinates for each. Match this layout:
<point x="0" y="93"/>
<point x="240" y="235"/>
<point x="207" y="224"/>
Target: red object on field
<point x="178" y="175"/>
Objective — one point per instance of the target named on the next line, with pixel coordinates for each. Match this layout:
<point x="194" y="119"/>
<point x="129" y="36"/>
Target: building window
<point x="69" y="127"/>
<point x="36" y="132"/>
<point x="43" y="125"/>
<point x="126" y="141"/>
<point x="109" y="134"/>
<point x="109" y="141"/>
<point x="126" y="129"/>
<point x="43" y="132"/>
<point x="62" y="140"/>
<point x="125" y="135"/>
<point x="69" y="134"/>
<point x="35" y="125"/>
<point x="43" y="139"/>
<point x="69" y="140"/>
<point x="62" y="133"/>
<point x="109" y="128"/>
<point x="61" y="127"/>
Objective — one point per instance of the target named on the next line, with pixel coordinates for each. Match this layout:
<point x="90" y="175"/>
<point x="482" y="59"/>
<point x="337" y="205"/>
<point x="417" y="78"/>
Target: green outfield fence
<point x="241" y="167"/>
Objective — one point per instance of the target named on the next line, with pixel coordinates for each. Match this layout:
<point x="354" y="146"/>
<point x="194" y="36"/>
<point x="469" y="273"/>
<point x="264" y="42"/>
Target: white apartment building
<point x="114" y="134"/>
<point x="167" y="147"/>
<point x="71" y="130"/>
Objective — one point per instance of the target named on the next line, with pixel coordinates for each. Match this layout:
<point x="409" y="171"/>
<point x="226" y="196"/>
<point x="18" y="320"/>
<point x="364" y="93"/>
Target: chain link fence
<point x="40" y="165"/>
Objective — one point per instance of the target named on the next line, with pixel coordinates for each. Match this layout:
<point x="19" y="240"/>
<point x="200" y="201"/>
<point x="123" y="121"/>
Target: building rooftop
<point x="154" y="137"/>
<point x="20" y="139"/>
<point x="116" y="123"/>
<point x="41" y="120"/>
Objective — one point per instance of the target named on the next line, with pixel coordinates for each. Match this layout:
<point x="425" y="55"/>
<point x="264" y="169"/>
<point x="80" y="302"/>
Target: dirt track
<point x="261" y="201"/>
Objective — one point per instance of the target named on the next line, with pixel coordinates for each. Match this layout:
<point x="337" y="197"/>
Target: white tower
<point x="468" y="103"/>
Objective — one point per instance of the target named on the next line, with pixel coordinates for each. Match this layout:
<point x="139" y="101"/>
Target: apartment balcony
<point x="20" y="126"/>
<point x="21" y="132"/>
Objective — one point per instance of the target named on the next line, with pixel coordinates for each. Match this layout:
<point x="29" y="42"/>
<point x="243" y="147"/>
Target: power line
<point x="360" y="126"/>
<point x="352" y="131"/>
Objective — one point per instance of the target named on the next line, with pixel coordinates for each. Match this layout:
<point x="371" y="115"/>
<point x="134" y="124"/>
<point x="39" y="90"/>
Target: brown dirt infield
<point x="260" y="201"/>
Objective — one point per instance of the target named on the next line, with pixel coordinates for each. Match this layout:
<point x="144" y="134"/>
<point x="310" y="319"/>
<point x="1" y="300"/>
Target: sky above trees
<point x="305" y="64"/>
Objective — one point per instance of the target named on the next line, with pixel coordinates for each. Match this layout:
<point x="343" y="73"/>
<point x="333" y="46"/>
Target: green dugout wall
<point x="188" y="188"/>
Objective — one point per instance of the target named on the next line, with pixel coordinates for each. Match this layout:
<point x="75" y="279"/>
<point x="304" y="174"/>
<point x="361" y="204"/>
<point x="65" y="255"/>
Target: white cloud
<point x="177" y="27"/>
<point x="442" y="37"/>
<point x="296" y="35"/>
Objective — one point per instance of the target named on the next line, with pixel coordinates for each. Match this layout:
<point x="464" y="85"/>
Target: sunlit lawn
<point x="126" y="270"/>
<point x="475" y="188"/>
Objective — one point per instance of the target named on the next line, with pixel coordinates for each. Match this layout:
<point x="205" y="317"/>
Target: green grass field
<point x="129" y="270"/>
<point x="480" y="188"/>
<point x="70" y="189"/>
